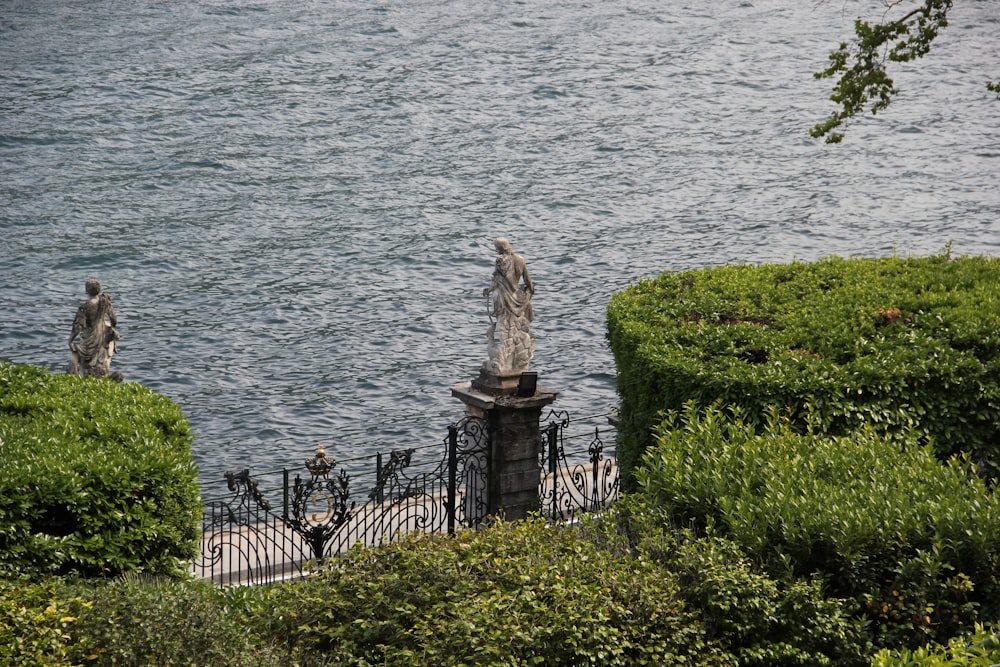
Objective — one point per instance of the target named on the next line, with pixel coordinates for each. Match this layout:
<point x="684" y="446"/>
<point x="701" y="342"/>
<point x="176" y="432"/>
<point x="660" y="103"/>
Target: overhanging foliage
<point x="905" y="33"/>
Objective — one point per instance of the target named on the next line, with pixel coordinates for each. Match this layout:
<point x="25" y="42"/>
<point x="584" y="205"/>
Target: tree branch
<point x="862" y="81"/>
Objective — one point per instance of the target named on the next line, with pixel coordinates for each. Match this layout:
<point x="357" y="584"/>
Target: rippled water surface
<point x="292" y="203"/>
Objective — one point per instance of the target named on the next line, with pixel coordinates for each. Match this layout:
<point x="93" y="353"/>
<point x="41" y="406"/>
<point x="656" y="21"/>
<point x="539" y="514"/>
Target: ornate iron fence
<point x="577" y="476"/>
<point x="246" y="540"/>
<point x="325" y="510"/>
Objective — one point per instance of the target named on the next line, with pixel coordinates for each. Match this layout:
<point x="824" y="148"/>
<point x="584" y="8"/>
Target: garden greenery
<point x="895" y="344"/>
<point x="613" y="591"/>
<point x="132" y="621"/>
<point x="96" y="477"/>
<point x="813" y="447"/>
<point x="914" y="542"/>
<point x="979" y="649"/>
<point x="532" y="593"/>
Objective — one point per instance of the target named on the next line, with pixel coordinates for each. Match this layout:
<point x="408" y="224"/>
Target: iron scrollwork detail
<point x="389" y="484"/>
<point x="246" y="501"/>
<point x="570" y="488"/>
<point x="321" y="505"/>
<point x="244" y="540"/>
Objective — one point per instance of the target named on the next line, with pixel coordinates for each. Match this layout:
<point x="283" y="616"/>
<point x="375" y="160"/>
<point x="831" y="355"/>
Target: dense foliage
<point x="532" y="593"/>
<point x="96" y="477"/>
<point x="914" y="542"/>
<point x="616" y="591"/>
<point x="892" y="343"/>
<point x="132" y="622"/>
<point x="980" y="649"/>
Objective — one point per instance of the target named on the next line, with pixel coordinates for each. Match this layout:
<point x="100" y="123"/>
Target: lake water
<point x="292" y="203"/>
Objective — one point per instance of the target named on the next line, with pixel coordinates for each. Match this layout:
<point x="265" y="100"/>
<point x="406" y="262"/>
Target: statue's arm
<point x="493" y="281"/>
<point x="77" y="326"/>
<point x="528" y="285"/>
<point x="111" y="313"/>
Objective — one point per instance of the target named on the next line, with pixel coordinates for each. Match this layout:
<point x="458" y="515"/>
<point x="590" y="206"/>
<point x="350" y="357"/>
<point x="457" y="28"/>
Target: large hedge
<point x="894" y="343"/>
<point x="96" y="477"/>
<point x="913" y="541"/>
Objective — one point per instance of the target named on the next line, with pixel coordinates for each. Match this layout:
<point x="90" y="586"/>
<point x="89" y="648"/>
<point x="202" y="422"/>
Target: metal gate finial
<point x="320" y="465"/>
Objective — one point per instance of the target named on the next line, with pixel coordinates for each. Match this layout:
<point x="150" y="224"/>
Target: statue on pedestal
<point x="510" y="345"/>
<point x="95" y="325"/>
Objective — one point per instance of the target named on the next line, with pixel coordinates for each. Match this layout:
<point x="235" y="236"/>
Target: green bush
<point x="759" y="620"/>
<point x="981" y="649"/>
<point x="914" y="542"/>
<point x="619" y="590"/>
<point x="531" y="593"/>
<point x="135" y="621"/>
<point x="96" y="477"/>
<point x="513" y="594"/>
<point x="892" y="343"/>
<point x="37" y="623"/>
<point x="140" y="621"/>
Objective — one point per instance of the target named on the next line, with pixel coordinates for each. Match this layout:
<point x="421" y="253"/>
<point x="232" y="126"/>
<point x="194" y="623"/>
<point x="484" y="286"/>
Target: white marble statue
<point x="95" y="325"/>
<point x="510" y="345"/>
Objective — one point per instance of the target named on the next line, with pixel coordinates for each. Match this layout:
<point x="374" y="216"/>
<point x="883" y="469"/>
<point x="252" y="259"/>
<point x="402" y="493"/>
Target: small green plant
<point x="140" y="620"/>
<point x="134" y="620"/>
<point x="38" y="625"/>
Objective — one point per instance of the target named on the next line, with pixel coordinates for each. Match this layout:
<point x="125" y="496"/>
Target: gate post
<point x="512" y="406"/>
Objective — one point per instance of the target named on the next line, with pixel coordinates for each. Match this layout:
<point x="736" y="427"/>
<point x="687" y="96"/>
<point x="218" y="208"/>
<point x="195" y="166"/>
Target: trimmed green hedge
<point x="96" y="477"/>
<point x="913" y="541"/>
<point x="893" y="343"/>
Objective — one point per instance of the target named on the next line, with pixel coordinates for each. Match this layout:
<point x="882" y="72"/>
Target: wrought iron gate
<point x="574" y="479"/>
<point x="246" y="540"/>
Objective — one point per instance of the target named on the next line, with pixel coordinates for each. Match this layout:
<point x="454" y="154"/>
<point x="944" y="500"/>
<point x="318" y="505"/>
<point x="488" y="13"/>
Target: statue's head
<point x="93" y="287"/>
<point x="502" y="245"/>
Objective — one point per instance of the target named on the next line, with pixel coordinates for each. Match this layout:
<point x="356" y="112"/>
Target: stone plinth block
<point x="515" y="442"/>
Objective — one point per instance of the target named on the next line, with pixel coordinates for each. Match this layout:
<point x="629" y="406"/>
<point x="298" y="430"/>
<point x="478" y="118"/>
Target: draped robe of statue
<point x="511" y="346"/>
<point x="95" y="327"/>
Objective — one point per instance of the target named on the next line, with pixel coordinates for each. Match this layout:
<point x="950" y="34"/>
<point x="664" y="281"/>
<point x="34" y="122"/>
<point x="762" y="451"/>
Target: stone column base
<point x="515" y="443"/>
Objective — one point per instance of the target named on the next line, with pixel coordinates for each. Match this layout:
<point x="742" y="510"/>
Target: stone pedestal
<point x="515" y="440"/>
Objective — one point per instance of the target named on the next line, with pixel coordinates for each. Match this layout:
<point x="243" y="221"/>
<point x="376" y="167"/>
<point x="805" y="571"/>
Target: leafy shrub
<point x="96" y="477"/>
<point x="37" y="623"/>
<point x="758" y="619"/>
<point x="136" y="621"/>
<point x="529" y="593"/>
<point x="139" y="621"/>
<point x="981" y="649"/>
<point x="893" y="343"/>
<point x="913" y="541"/>
<point x="619" y="590"/>
<point x="513" y="594"/>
